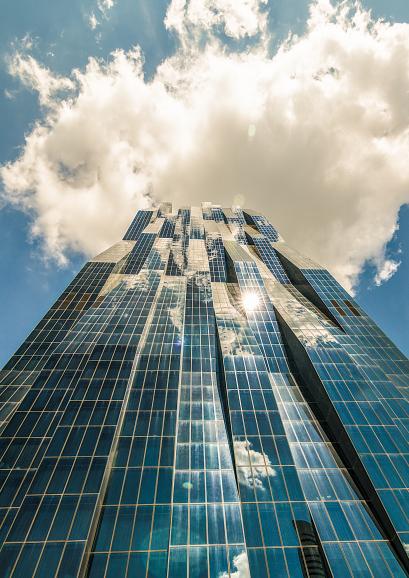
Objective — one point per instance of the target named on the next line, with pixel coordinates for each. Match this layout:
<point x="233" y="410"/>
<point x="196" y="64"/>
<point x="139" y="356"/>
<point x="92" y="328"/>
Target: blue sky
<point x="63" y="40"/>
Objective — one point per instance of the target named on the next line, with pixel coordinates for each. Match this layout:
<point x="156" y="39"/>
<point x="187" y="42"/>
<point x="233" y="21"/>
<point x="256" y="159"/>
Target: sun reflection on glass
<point x="250" y="301"/>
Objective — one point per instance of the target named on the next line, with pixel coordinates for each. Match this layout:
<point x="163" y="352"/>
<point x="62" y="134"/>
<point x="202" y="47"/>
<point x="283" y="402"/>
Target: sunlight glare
<point x="250" y="301"/>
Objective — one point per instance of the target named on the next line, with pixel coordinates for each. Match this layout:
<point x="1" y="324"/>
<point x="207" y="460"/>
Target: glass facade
<point x="204" y="402"/>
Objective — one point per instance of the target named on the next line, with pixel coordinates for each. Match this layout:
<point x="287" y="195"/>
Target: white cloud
<point x="106" y="4"/>
<point x="176" y="316"/>
<point x="386" y="271"/>
<point x="39" y="79"/>
<point x="316" y="136"/>
<point x="102" y="10"/>
<point x="93" y="21"/>
<point x="241" y="567"/>
<point x="28" y="42"/>
<point x="261" y="467"/>
<point x="8" y="94"/>
<point x="237" y="18"/>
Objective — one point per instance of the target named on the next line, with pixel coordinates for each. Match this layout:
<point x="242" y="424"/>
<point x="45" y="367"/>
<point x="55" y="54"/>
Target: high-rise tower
<point x="202" y="401"/>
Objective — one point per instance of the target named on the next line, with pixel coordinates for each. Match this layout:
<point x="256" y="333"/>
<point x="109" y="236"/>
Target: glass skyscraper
<point x="203" y="401"/>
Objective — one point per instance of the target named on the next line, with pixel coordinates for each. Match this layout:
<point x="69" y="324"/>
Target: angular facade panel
<point x="203" y="401"/>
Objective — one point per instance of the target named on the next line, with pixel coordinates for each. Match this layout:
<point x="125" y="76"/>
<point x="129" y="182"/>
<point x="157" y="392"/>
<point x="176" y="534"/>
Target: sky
<point x="297" y="108"/>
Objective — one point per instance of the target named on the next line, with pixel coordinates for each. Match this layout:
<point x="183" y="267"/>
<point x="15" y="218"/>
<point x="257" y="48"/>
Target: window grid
<point x="140" y="222"/>
<point x="151" y="417"/>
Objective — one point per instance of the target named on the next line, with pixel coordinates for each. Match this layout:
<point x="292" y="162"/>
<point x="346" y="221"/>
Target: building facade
<point x="203" y="401"/>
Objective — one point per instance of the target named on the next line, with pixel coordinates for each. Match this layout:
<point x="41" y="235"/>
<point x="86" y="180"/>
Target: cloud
<point x="8" y="94"/>
<point x="93" y="21"/>
<point x="386" y="271"/>
<point x="241" y="565"/>
<point x="237" y="18"/>
<point x="40" y="79"/>
<point x="106" y="4"/>
<point x="176" y="316"/>
<point x="261" y="467"/>
<point x="28" y="42"/>
<point x="316" y="135"/>
<point x="102" y="10"/>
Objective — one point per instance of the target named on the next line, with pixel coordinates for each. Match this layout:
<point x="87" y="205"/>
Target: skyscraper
<point x="203" y="401"/>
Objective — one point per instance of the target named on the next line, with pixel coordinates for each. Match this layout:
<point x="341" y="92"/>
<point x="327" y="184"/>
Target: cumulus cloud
<point x="240" y="567"/>
<point x="34" y="76"/>
<point x="261" y="467"/>
<point x="315" y="135"/>
<point x="386" y="271"/>
<point x="236" y="18"/>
